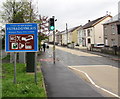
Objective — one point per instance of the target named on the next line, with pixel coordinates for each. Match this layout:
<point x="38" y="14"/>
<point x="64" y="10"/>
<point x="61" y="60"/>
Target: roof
<point x="69" y="30"/>
<point x="94" y="22"/>
<point x="74" y="28"/>
<point x="113" y="19"/>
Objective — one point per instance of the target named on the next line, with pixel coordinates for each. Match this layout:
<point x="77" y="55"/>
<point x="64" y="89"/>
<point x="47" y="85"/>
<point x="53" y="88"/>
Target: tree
<point x="20" y="12"/>
<point x="17" y="12"/>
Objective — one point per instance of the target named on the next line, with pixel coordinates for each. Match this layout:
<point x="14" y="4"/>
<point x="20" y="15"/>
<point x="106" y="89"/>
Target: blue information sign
<point x="21" y="37"/>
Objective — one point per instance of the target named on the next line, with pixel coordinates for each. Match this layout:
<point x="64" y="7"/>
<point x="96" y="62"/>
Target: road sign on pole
<point x="21" y="37"/>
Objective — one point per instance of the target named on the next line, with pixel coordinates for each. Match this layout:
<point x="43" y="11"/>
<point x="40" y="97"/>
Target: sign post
<point x="15" y="67"/>
<point x="35" y="68"/>
<point x="21" y="37"/>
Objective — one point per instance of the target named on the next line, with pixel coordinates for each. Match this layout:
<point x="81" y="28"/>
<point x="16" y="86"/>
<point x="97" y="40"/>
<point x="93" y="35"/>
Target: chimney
<point x="88" y="21"/>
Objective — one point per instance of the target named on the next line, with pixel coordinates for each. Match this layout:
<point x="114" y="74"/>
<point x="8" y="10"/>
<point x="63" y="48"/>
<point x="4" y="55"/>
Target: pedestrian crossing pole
<point x="54" y="46"/>
<point x="52" y="28"/>
<point x="54" y="43"/>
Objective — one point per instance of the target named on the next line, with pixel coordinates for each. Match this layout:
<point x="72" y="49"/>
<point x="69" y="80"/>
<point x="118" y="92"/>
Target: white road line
<point x="96" y="66"/>
<point x="94" y="82"/>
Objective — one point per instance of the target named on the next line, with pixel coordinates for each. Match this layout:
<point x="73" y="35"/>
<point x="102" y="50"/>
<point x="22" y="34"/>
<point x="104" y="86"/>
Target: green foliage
<point x="17" y="11"/>
<point x="25" y="86"/>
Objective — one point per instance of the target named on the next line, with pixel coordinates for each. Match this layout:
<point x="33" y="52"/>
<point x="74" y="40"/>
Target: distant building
<point x="81" y="37"/>
<point x="93" y="31"/>
<point x="65" y="37"/>
<point x="112" y="32"/>
<point x="50" y="38"/>
<point x="73" y="35"/>
<point x="59" y="37"/>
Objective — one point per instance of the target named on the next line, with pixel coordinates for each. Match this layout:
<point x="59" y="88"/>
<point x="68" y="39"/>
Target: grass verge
<point x="25" y="86"/>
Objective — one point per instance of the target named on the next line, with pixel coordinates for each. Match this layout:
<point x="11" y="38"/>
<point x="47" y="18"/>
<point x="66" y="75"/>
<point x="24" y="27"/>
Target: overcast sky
<point x="75" y="12"/>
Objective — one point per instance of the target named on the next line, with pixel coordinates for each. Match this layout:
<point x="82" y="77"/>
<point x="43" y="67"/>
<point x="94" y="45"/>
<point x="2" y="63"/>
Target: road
<point x="82" y="58"/>
<point x="61" y="81"/>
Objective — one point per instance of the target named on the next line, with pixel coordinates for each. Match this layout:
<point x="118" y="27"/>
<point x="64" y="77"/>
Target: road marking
<point x="92" y="82"/>
<point x="96" y="66"/>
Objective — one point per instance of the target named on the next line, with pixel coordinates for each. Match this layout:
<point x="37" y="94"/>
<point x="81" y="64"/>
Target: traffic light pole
<point x="54" y="44"/>
<point x="52" y="28"/>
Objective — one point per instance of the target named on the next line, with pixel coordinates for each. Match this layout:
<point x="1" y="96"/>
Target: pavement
<point x="96" y="80"/>
<point x="60" y="81"/>
<point x="112" y="57"/>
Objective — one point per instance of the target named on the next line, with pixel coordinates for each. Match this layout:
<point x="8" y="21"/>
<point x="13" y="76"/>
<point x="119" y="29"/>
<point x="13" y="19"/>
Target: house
<point x="59" y="37"/>
<point x="64" y="37"/>
<point x="50" y="38"/>
<point x="69" y="36"/>
<point x="93" y="31"/>
<point x="73" y="35"/>
<point x="112" y="32"/>
<point x="81" y="37"/>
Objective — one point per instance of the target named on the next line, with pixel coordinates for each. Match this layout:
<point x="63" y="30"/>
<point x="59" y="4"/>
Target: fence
<point x="107" y="50"/>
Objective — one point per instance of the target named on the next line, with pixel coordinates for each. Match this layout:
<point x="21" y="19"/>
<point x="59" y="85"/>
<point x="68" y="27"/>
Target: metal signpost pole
<point x="15" y="56"/>
<point x="35" y="67"/>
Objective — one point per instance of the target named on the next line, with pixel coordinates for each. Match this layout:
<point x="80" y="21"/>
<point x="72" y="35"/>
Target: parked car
<point x="99" y="45"/>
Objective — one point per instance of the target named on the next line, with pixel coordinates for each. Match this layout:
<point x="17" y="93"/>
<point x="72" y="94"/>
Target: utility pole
<point x="67" y="33"/>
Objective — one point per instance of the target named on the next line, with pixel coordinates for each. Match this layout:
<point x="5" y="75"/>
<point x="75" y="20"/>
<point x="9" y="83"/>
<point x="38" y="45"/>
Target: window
<point x="113" y="29"/>
<point x="106" y="41"/>
<point x="89" y="41"/>
<point x="118" y="29"/>
<point x="113" y="42"/>
<point x="84" y="31"/>
<point x="105" y="28"/>
<point x="88" y="31"/>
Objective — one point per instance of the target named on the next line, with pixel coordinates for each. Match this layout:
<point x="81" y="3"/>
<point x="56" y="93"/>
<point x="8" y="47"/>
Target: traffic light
<point x="51" y="24"/>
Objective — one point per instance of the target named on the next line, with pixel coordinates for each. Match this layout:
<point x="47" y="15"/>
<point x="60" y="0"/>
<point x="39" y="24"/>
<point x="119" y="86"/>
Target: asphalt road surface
<point x="60" y="81"/>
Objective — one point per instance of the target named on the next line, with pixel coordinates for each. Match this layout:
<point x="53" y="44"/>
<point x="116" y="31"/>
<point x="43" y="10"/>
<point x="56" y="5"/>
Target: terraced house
<point x="73" y="35"/>
<point x="112" y="32"/>
<point x="69" y="36"/>
<point x="92" y="32"/>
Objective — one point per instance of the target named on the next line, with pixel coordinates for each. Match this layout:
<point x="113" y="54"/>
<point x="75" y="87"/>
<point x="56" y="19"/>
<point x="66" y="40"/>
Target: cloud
<point x="75" y="12"/>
